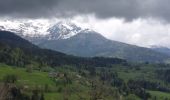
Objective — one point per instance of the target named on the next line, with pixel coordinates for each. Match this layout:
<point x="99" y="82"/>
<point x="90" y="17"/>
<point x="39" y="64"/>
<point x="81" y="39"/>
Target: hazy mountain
<point x="90" y="44"/>
<point x="161" y="49"/>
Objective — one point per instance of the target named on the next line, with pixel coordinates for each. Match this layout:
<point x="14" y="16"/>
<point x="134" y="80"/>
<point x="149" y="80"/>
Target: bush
<point x="132" y="97"/>
<point x="10" y="78"/>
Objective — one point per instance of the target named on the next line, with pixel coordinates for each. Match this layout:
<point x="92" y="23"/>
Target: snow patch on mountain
<point x="63" y="30"/>
<point x="25" y="27"/>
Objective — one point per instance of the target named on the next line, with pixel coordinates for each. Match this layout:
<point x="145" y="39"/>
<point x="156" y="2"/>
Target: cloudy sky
<point x="139" y="22"/>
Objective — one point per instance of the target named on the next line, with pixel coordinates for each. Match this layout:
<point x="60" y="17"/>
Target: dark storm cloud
<point x="129" y="9"/>
<point x="27" y="8"/>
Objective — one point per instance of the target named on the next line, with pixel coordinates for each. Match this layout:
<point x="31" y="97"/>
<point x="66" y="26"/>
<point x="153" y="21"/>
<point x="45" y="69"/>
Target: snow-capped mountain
<point x="23" y="28"/>
<point x="31" y="30"/>
<point x="63" y="30"/>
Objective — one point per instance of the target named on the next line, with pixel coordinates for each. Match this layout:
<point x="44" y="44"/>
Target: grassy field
<point x="160" y="95"/>
<point x="57" y="96"/>
<point x="30" y="79"/>
<point x="40" y="79"/>
<point x="144" y="72"/>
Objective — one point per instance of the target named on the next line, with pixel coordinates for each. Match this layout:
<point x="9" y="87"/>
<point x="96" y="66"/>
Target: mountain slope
<point x="90" y="44"/>
<point x="19" y="52"/>
<point x="161" y="49"/>
<point x="14" y="41"/>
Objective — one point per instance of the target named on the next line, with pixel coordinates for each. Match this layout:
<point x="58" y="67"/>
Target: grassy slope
<point x="39" y="79"/>
<point x="146" y="73"/>
<point x="160" y="95"/>
<point x="34" y="78"/>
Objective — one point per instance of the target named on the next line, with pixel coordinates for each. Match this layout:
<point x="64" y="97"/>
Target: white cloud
<point x="142" y="32"/>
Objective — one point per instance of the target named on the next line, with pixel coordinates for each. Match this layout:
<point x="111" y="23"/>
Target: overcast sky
<point x="140" y="22"/>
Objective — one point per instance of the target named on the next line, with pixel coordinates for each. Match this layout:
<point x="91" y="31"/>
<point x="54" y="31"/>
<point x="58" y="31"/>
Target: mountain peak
<point x="65" y="30"/>
<point x="88" y="31"/>
<point x="66" y="24"/>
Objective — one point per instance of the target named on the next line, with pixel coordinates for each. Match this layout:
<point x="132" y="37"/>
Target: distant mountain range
<point x="68" y="38"/>
<point x="161" y="49"/>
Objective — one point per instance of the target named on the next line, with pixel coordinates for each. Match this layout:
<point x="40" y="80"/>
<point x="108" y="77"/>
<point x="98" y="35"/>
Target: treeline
<point x="111" y="79"/>
<point x="164" y="75"/>
<point x="16" y="94"/>
<point x="13" y="56"/>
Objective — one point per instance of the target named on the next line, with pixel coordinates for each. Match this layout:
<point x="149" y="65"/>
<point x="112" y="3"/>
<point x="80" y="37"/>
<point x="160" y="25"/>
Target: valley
<point x="84" y="50"/>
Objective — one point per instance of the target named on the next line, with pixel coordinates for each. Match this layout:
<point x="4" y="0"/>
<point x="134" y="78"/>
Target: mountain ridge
<point x="93" y="44"/>
<point x="88" y="43"/>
